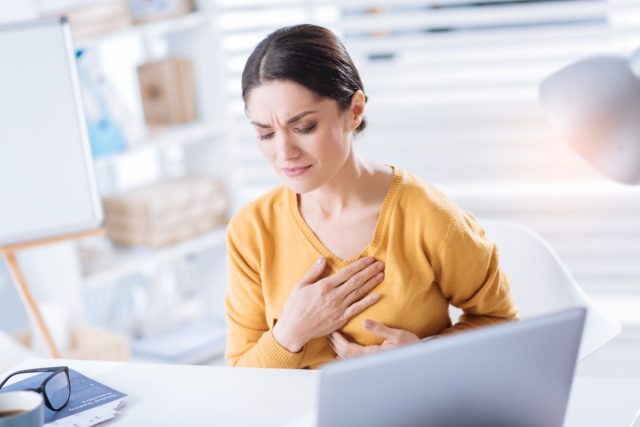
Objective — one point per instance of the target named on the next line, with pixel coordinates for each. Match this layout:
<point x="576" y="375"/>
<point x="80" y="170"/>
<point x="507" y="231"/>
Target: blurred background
<point x="453" y="98"/>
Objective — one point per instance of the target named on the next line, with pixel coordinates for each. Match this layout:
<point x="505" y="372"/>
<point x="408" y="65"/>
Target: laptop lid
<point x="516" y="374"/>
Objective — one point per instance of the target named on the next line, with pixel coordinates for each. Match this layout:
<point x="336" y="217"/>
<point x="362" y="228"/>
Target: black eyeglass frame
<point x="55" y="370"/>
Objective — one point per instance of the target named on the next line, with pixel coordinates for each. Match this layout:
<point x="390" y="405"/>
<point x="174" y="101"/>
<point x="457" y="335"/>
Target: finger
<point x="314" y="273"/>
<point x="360" y="305"/>
<point x="331" y="342"/>
<point x="372" y="348"/>
<point x="333" y="347"/>
<point x="345" y="348"/>
<point x="338" y="338"/>
<point x="364" y="289"/>
<point x="361" y="277"/>
<point x="341" y="276"/>
<point x="381" y="330"/>
<point x="337" y="354"/>
<point x="339" y="346"/>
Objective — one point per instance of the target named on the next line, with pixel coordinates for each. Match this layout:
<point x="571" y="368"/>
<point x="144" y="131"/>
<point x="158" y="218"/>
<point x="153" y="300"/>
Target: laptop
<point x="516" y="374"/>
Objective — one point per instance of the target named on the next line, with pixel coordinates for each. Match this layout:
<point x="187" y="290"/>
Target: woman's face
<point x="306" y="139"/>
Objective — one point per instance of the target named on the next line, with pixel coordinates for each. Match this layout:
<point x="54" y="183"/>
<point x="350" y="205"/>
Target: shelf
<point x="194" y="342"/>
<point x="164" y="137"/>
<point x="152" y="28"/>
<point x="117" y="262"/>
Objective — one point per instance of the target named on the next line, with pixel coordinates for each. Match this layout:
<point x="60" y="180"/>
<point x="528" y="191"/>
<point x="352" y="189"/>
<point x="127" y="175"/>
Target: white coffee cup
<point x="21" y="409"/>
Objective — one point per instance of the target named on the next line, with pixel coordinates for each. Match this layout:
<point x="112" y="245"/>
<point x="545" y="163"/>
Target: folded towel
<point x="165" y="211"/>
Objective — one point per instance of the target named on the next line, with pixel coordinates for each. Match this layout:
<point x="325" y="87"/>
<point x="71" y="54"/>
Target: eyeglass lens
<point x="57" y="390"/>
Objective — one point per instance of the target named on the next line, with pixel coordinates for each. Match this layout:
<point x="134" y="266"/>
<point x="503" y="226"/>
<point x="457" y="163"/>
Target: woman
<point x="347" y="257"/>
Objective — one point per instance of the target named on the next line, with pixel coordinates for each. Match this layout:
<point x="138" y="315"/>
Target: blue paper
<point x="86" y="394"/>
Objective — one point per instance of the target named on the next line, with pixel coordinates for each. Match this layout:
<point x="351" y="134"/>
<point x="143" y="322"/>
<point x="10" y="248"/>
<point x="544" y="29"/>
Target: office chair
<point x="540" y="282"/>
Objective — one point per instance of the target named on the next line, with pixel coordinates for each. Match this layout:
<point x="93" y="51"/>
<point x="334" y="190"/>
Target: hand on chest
<point x="408" y="301"/>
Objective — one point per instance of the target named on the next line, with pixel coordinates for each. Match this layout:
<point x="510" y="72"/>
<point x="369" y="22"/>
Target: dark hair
<point x="309" y="55"/>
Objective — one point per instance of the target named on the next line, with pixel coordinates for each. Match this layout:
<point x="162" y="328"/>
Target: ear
<point x="356" y="110"/>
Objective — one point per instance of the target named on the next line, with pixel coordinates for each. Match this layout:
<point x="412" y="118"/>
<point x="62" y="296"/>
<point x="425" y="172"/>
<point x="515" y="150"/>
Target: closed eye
<point x="303" y="131"/>
<point x="306" y="130"/>
<point x="265" y="136"/>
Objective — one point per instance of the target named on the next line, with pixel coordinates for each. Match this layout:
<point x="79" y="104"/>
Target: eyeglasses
<point x="55" y="388"/>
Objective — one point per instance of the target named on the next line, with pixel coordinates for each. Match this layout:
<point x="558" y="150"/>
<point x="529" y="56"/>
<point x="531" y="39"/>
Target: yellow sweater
<point x="434" y="253"/>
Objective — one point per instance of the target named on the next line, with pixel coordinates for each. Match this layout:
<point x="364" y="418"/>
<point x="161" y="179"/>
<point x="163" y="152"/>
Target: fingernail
<point x="320" y="260"/>
<point x="368" y="323"/>
<point x="370" y="260"/>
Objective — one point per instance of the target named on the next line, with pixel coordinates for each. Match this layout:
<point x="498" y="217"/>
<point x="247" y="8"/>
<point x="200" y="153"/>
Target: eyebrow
<point x="290" y="121"/>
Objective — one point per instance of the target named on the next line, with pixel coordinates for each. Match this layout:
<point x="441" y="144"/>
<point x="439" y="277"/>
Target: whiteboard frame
<point x="98" y="216"/>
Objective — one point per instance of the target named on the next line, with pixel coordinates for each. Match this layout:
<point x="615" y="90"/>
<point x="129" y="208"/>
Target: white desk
<point x="173" y="395"/>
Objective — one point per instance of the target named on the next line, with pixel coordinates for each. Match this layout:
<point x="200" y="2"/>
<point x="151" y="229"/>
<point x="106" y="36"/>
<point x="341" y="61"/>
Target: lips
<point x="297" y="171"/>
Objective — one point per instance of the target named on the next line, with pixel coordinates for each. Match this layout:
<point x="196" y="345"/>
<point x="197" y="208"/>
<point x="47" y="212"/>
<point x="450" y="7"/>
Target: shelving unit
<point x="196" y="148"/>
<point x="168" y="137"/>
<point x="147" y="29"/>
<point x="118" y="262"/>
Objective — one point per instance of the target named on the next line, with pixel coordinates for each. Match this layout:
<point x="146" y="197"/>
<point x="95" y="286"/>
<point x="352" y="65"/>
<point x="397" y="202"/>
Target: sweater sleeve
<point x="468" y="272"/>
<point x="249" y="339"/>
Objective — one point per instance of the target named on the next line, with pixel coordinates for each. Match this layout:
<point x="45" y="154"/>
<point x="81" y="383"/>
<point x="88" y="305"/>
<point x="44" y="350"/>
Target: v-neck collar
<point x="379" y="232"/>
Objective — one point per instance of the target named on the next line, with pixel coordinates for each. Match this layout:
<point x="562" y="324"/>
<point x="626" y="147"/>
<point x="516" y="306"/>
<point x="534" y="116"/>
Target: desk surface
<point x="170" y="395"/>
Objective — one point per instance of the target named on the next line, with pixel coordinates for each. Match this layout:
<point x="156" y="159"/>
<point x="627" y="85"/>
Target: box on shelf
<point x="98" y="18"/>
<point x="165" y="211"/>
<point x="90" y="343"/>
<point x="167" y="91"/>
<point x="151" y="10"/>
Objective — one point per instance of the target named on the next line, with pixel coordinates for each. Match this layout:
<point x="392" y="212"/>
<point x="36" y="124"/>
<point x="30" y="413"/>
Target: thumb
<point x="380" y="329"/>
<point x="314" y="273"/>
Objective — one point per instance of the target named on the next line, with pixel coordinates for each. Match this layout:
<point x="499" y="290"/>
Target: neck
<point x="345" y="190"/>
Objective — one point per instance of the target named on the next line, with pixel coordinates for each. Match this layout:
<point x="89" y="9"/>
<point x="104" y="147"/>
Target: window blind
<point x="453" y="98"/>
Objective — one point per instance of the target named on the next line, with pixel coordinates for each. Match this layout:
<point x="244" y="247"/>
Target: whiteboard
<point x="47" y="180"/>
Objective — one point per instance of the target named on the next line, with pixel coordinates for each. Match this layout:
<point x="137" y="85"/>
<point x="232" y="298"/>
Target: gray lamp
<point x="595" y="105"/>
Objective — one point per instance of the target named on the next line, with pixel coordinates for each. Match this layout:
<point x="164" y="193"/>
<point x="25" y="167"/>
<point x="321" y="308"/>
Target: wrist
<point x="286" y="339"/>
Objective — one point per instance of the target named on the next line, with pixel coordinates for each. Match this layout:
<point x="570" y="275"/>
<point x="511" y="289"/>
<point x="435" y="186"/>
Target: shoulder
<point x="440" y="221"/>
<point x="430" y="206"/>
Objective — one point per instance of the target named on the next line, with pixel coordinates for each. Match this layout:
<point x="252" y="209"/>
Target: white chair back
<point x="540" y="282"/>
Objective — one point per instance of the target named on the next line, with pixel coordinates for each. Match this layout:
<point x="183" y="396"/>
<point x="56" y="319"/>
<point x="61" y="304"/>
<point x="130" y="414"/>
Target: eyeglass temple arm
<point x="34" y="370"/>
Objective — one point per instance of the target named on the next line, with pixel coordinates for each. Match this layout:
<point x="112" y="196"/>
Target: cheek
<point x="335" y="141"/>
<point x="321" y="145"/>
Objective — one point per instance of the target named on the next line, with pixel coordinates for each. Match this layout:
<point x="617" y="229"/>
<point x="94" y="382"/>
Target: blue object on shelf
<point x="105" y="135"/>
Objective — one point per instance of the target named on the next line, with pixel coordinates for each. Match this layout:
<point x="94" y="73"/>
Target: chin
<point x="300" y="184"/>
<point x="303" y="184"/>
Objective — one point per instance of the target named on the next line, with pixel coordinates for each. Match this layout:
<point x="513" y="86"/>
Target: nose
<point x="286" y="148"/>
